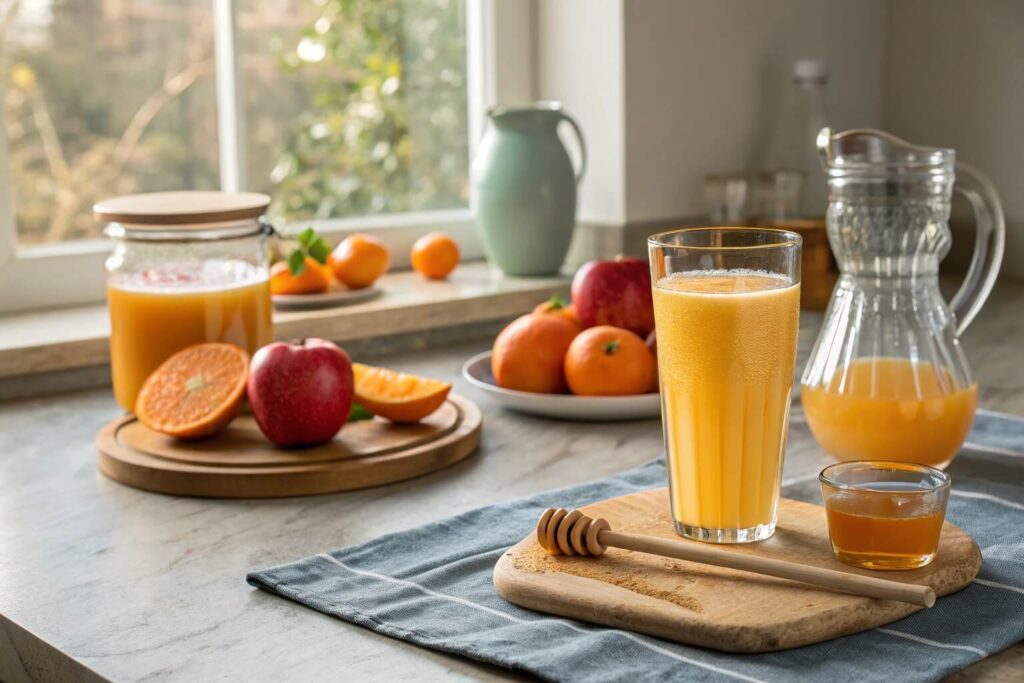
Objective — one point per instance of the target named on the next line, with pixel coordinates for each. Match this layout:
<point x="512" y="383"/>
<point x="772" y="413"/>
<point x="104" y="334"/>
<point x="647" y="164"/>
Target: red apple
<point x="616" y="292"/>
<point x="300" y="392"/>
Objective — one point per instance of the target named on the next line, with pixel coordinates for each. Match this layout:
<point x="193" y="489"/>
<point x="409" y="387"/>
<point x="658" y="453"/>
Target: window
<point x="336" y="108"/>
<point x="105" y="98"/>
<point x="355" y="108"/>
<point x="350" y="108"/>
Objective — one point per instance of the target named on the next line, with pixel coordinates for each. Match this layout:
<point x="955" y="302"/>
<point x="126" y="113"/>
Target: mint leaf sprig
<point x="359" y="413"/>
<point x="308" y="243"/>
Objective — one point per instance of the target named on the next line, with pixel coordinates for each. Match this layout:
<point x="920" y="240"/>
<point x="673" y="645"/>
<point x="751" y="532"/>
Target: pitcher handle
<point x="989" y="243"/>
<point x="583" y="147"/>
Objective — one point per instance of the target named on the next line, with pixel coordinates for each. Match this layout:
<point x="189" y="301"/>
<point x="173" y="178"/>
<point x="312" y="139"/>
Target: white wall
<point x="702" y="81"/>
<point x="669" y="90"/>
<point x="955" y="78"/>
<point x="580" y="63"/>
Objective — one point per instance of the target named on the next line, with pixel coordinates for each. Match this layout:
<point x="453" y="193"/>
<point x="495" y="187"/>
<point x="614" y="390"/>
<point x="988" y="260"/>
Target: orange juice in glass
<point x="187" y="268"/>
<point x="726" y="311"/>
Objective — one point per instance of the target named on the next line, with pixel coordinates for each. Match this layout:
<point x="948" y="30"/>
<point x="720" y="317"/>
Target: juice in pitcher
<point x="726" y="357"/>
<point x="891" y="409"/>
<point x="187" y="268"/>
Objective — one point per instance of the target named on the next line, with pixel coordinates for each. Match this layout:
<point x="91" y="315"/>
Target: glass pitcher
<point x="887" y="378"/>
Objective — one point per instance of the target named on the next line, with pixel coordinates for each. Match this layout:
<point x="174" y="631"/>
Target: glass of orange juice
<point x="726" y="313"/>
<point x="187" y="268"/>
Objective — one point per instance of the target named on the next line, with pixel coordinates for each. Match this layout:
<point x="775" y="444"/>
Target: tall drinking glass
<point x="726" y="311"/>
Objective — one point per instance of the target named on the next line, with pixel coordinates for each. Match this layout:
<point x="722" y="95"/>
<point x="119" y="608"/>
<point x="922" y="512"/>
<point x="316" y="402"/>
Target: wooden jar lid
<point x="181" y="209"/>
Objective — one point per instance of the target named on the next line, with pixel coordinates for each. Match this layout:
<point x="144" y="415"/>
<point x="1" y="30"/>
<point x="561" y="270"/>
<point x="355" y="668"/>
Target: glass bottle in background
<point x="792" y="144"/>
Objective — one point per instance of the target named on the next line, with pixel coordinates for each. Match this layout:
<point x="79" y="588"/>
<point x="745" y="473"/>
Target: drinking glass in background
<point x="778" y="195"/>
<point x="745" y="199"/>
<point x="730" y="198"/>
<point x="726" y="313"/>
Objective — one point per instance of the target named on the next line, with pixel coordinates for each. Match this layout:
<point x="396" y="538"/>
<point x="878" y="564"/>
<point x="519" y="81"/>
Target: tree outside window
<point x="352" y="107"/>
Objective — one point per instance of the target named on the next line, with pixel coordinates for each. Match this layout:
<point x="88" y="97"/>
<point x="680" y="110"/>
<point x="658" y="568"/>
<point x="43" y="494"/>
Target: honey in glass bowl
<point x="884" y="515"/>
<point x="187" y="268"/>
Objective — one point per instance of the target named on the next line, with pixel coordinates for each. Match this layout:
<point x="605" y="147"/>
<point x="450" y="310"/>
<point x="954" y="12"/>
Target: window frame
<point x="499" y="66"/>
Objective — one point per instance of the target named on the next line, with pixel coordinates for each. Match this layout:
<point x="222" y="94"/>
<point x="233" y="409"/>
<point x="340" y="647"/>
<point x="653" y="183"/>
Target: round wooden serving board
<point x="723" y="609"/>
<point x="241" y="463"/>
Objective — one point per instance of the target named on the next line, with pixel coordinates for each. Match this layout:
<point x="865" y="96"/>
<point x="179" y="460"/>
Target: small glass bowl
<point x="884" y="515"/>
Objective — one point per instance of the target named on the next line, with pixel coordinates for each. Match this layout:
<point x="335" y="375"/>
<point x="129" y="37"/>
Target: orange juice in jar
<point x="187" y="267"/>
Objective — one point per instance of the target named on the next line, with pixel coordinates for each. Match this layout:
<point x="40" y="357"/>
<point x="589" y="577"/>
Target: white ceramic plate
<point x="334" y="297"/>
<point x="477" y="372"/>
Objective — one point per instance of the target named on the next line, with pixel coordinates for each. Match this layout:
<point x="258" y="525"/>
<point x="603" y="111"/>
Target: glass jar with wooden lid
<point x="187" y="268"/>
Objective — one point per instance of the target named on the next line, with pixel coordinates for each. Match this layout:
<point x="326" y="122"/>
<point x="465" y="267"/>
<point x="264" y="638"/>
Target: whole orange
<point x="312" y="280"/>
<point x="328" y="269"/>
<point x="435" y="255"/>
<point x="528" y="355"/>
<point x="556" y="305"/>
<point x="359" y="260"/>
<point x="609" y="361"/>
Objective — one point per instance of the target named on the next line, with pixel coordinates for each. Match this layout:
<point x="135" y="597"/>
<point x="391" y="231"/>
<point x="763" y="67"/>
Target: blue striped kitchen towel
<point x="432" y="586"/>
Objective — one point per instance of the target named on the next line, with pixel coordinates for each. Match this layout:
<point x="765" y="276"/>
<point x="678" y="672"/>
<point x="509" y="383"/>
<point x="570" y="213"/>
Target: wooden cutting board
<point x="724" y="609"/>
<point x="241" y="463"/>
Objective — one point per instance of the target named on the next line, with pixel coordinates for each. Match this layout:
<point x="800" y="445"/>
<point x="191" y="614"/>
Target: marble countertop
<point x="98" y="580"/>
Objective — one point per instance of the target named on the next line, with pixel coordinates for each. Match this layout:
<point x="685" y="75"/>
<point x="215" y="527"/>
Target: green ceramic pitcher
<point x="525" y="188"/>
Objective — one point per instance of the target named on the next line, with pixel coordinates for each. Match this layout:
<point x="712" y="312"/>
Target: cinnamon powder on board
<point x="621" y="568"/>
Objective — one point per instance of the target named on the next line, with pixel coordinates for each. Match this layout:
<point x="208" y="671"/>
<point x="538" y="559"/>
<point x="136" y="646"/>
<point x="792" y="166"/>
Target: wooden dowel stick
<point x="867" y="586"/>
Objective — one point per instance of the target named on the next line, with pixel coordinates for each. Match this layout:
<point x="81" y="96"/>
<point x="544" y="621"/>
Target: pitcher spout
<point x="865" y="149"/>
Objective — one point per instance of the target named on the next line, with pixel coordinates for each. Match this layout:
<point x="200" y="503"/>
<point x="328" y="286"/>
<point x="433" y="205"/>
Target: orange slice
<point x="397" y="396"/>
<point x="196" y="392"/>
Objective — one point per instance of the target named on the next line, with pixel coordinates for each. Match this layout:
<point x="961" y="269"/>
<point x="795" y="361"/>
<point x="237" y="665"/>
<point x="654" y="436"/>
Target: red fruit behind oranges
<point x="615" y="292"/>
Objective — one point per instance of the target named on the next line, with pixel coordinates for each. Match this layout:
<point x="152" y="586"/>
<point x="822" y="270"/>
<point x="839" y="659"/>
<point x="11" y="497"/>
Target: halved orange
<point x="196" y="392"/>
<point x="397" y="396"/>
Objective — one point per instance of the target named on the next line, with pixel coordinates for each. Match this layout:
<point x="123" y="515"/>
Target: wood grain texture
<point x="715" y="607"/>
<point x="241" y="463"/>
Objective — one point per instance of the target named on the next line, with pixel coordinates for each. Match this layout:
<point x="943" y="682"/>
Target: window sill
<point x="74" y="338"/>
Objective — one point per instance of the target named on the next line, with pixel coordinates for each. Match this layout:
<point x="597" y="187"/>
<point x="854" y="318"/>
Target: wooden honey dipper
<point x="563" y="532"/>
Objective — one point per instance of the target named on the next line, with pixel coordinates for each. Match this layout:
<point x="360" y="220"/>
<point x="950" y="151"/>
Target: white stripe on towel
<point x="993" y="584"/>
<point x="489" y="610"/>
<point x="992" y="449"/>
<point x="933" y="643"/>
<point x="988" y="497"/>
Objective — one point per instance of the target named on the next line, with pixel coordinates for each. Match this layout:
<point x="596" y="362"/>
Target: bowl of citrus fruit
<point x="594" y="358"/>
